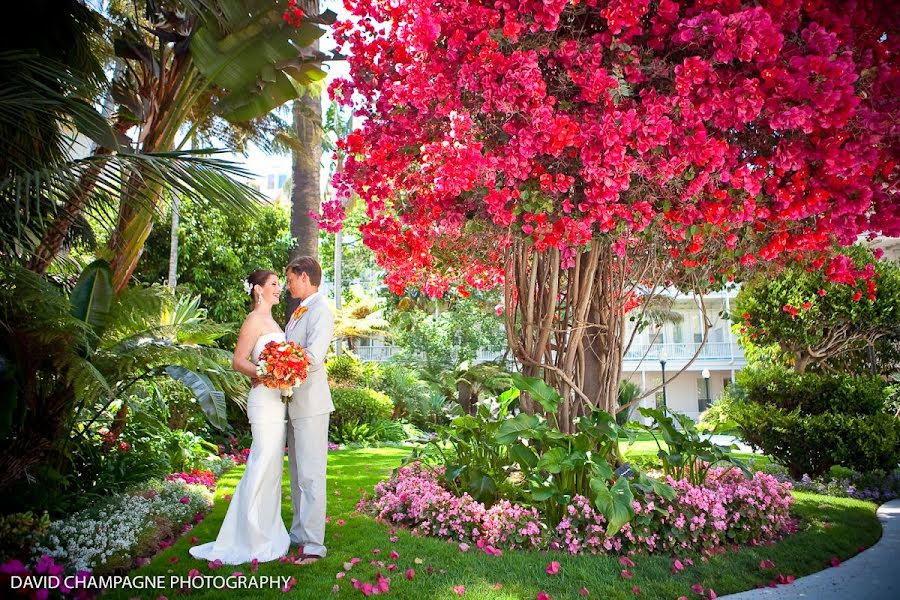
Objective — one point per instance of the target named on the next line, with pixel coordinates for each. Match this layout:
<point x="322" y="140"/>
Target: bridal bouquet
<point x="282" y="365"/>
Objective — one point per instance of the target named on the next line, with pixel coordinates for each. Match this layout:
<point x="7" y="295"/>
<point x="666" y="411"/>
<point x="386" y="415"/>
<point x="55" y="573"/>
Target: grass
<point x="831" y="527"/>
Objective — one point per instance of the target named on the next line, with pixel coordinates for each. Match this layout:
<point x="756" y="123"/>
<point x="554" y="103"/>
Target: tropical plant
<point x="493" y="453"/>
<point x="361" y="317"/>
<point x="628" y="392"/>
<point x="688" y="454"/>
<point x="183" y="64"/>
<point x="587" y="156"/>
<point x="68" y="358"/>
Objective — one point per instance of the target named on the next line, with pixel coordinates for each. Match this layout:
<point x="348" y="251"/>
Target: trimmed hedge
<point x="810" y="422"/>
<point x="815" y="394"/>
<point x="358" y="405"/>
<point x="812" y="444"/>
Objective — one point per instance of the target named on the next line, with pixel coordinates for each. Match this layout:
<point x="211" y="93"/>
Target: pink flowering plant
<point x="584" y="156"/>
<point x="195" y="477"/>
<point x="730" y="508"/>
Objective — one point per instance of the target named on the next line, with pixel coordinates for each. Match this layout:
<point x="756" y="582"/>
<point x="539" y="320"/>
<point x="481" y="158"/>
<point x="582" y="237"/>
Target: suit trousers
<point x="307" y="439"/>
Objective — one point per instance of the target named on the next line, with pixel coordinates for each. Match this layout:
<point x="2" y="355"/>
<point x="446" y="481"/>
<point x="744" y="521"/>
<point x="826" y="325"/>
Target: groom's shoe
<point x="308" y="559"/>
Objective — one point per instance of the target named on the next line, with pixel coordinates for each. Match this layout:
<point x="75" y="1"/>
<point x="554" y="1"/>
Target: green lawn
<point x="832" y="527"/>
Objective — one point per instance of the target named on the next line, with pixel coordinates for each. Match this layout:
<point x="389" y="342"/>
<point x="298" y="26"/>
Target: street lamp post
<point x="707" y="402"/>
<point x="662" y="363"/>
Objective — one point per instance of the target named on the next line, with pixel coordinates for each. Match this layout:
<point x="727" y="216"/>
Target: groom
<point x="311" y="326"/>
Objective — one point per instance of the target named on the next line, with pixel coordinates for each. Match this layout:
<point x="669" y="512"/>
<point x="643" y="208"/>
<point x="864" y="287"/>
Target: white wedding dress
<point x="253" y="527"/>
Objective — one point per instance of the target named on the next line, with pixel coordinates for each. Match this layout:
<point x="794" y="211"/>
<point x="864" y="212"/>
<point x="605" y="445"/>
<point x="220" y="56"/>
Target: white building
<point x="273" y="184"/>
<point x="676" y="341"/>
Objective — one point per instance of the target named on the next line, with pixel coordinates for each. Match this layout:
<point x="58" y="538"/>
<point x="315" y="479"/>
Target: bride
<point x="253" y="528"/>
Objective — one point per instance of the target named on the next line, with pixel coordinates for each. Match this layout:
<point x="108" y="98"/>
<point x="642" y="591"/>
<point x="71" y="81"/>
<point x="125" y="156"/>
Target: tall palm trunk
<point x="306" y="195"/>
<point x="143" y="196"/>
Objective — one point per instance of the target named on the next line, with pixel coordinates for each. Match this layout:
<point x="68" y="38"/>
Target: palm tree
<point x="307" y="158"/>
<point x="362" y="317"/>
<point x="181" y="68"/>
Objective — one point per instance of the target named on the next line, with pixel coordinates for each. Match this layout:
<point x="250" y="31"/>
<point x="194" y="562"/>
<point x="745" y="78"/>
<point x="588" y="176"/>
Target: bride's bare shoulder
<point x="252" y="324"/>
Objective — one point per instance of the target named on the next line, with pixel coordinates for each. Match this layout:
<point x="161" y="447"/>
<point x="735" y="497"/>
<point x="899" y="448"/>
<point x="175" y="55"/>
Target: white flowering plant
<point x="106" y="538"/>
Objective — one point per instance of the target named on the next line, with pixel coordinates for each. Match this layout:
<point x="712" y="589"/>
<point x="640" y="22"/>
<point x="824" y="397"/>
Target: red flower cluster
<point x="293" y="15"/>
<point x="723" y="132"/>
<point x="282" y="365"/>
<point x="195" y="477"/>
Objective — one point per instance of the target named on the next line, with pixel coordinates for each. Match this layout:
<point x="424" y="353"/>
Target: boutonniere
<point x="299" y="312"/>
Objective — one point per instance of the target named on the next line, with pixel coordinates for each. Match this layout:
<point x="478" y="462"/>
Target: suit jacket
<point x="313" y="331"/>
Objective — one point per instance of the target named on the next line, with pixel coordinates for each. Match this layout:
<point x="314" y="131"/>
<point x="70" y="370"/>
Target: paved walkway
<point x="873" y="574"/>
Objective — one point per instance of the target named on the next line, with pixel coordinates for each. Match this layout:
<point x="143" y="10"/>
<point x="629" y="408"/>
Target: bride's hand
<point x="255" y="381"/>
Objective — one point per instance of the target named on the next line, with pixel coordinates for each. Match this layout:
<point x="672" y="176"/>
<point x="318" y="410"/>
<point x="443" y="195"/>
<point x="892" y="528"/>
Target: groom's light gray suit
<point x="307" y="432"/>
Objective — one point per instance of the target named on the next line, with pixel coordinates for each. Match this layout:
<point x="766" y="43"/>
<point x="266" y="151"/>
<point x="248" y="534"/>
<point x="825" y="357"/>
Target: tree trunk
<point x="132" y="230"/>
<point x="564" y="324"/>
<point x="801" y="362"/>
<point x="306" y="195"/>
<point x="603" y="341"/>
<point x="173" y="243"/>
<point x="55" y="235"/>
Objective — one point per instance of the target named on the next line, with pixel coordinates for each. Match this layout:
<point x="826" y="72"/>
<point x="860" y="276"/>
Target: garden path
<point x="873" y="574"/>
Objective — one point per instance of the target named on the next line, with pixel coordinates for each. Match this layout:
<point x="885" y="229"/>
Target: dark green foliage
<point x="815" y="394"/>
<point x="18" y="532"/>
<point x="217" y="249"/>
<point x="358" y="406"/>
<point x="810" y="422"/>
<point x="812" y="444"/>
<point x="413" y="398"/>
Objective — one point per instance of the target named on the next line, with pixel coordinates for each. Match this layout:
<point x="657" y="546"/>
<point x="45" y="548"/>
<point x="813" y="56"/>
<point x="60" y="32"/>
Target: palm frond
<point x="34" y="196"/>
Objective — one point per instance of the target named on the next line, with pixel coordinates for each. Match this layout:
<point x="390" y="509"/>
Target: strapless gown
<point x="253" y="527"/>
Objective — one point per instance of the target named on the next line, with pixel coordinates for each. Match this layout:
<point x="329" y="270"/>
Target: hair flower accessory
<point x="248" y="287"/>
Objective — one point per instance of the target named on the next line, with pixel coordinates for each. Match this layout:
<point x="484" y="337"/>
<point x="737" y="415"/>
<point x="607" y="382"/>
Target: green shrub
<point x="814" y="393"/>
<point x="18" y="533"/>
<point x="345" y="369"/>
<point x="348" y="371"/>
<point x="359" y="406"/>
<point x="812" y="444"/>
<point x="413" y="398"/>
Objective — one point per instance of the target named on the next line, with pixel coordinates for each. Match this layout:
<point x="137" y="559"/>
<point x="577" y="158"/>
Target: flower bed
<point x="124" y="531"/>
<point x="875" y="486"/>
<point x="728" y="509"/>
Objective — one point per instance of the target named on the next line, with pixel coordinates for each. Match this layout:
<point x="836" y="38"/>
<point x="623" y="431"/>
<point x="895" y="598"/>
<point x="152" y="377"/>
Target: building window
<point x="281" y="179"/>
<point x="270" y="182"/>
<point x="703" y="401"/>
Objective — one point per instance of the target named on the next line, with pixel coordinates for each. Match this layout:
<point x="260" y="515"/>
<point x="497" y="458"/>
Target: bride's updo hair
<point x="258" y="277"/>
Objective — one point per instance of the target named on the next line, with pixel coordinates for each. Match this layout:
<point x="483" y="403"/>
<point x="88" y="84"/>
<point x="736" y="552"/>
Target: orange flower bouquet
<point x="282" y="365"/>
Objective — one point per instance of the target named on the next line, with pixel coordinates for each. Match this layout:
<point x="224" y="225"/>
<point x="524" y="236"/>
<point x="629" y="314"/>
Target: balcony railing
<point x="674" y="352"/>
<point x="684" y="351"/>
<point x="376" y="354"/>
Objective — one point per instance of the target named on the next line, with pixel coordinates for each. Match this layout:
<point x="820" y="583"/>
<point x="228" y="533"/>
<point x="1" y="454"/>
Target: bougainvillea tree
<point x="580" y="152"/>
<point x="817" y="322"/>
